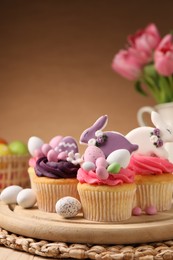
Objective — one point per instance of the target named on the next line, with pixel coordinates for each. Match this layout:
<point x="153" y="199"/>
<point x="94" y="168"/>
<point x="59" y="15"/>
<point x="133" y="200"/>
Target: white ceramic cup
<point x="166" y="112"/>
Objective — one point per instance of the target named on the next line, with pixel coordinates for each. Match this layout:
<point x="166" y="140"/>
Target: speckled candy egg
<point x="92" y="153"/>
<point x="68" y="207"/>
<point x="88" y="166"/>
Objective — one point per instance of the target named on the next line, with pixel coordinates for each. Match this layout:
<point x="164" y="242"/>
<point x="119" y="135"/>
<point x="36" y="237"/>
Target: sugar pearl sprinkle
<point x="137" y="211"/>
<point x="151" y="210"/>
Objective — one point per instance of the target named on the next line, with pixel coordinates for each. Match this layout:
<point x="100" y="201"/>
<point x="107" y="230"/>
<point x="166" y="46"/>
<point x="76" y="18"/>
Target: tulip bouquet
<point x="148" y="61"/>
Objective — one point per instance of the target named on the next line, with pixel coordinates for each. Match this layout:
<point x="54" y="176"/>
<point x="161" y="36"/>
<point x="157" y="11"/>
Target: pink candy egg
<point x="45" y="148"/>
<point x="137" y="211"/>
<point x="62" y="156"/>
<point x="52" y="156"/>
<point x="92" y="153"/>
<point x="151" y="210"/>
<point x="102" y="173"/>
<point x="32" y="161"/>
<point x="54" y="142"/>
<point x="101" y="162"/>
<point x="38" y="153"/>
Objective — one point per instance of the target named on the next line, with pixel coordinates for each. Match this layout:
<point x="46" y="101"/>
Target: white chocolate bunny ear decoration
<point x="157" y="120"/>
<point x="166" y="131"/>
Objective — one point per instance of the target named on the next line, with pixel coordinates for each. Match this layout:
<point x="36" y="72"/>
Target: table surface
<point x="10" y="254"/>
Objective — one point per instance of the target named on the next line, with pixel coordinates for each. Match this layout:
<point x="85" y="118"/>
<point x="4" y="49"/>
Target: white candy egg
<point x="9" y="194"/>
<point x="121" y="156"/>
<point x="26" y="198"/>
<point x="87" y="166"/>
<point x="68" y="207"/>
<point x="34" y="143"/>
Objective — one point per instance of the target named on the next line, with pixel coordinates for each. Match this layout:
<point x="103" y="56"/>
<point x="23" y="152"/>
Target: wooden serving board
<point x="50" y="226"/>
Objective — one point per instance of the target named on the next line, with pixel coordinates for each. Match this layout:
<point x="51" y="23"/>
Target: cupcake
<point x="153" y="171"/>
<point x="53" y="171"/>
<point x="154" y="180"/>
<point x="14" y="157"/>
<point x="106" y="188"/>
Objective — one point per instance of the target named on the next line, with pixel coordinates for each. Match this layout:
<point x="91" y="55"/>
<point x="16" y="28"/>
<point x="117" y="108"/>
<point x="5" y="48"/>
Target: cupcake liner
<point x="13" y="171"/>
<point x="49" y="191"/>
<point x="49" y="194"/>
<point x="155" y="194"/>
<point x="106" y="205"/>
<point x="154" y="190"/>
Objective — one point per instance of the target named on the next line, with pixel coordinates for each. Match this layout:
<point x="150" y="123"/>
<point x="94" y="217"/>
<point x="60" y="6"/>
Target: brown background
<point x="55" y="64"/>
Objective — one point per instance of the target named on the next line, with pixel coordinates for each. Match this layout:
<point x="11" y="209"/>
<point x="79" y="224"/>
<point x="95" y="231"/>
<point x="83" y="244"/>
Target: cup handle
<point x="141" y="112"/>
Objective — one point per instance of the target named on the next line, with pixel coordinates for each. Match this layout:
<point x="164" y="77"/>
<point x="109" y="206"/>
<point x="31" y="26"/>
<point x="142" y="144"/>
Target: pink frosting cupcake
<point x="106" y="188"/>
<point x="153" y="171"/>
<point x="106" y="200"/>
<point x="154" y="179"/>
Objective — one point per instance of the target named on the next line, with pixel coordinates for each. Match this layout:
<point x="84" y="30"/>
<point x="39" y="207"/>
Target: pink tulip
<point x="145" y="40"/>
<point x="163" y="56"/>
<point x="127" y="63"/>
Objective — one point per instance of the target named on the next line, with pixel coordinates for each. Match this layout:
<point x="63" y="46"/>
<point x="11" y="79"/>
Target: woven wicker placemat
<point x="149" y="251"/>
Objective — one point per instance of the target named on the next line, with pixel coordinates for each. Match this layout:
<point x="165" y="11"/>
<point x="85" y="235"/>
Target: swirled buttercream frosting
<point x="149" y="165"/>
<point x="124" y="176"/>
<point x="57" y="170"/>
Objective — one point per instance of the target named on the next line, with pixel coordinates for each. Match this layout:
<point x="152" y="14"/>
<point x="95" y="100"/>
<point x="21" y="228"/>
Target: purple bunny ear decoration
<point x="106" y="141"/>
<point x="89" y="133"/>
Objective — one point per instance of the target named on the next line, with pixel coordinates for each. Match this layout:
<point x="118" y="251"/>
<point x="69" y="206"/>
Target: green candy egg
<point x="18" y="148"/>
<point x="114" y="168"/>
